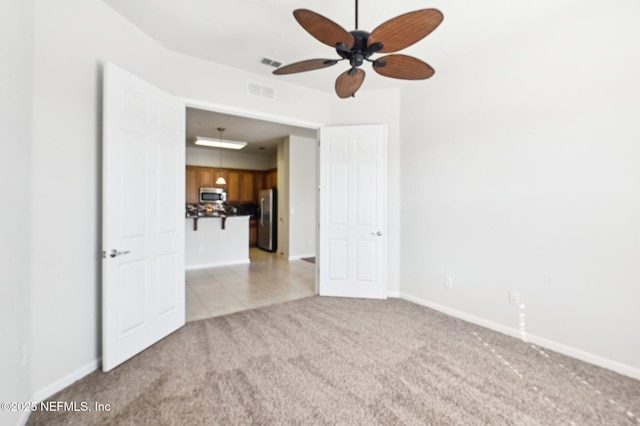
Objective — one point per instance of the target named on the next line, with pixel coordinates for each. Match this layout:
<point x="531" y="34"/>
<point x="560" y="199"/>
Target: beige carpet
<point x="328" y="361"/>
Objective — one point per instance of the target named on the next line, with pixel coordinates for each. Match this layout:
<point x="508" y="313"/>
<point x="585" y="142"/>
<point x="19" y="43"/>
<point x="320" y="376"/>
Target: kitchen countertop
<point x="216" y="215"/>
<point x="221" y="216"/>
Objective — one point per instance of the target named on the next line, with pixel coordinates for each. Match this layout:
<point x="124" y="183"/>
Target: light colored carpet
<point x="330" y="361"/>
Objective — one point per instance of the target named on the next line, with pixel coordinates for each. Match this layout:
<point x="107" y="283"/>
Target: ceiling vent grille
<point x="257" y="89"/>
<point x="270" y="62"/>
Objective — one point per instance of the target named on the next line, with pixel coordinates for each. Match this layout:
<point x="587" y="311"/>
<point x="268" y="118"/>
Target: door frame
<point x="273" y="118"/>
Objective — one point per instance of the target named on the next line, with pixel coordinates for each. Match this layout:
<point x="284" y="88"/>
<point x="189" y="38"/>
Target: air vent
<point x="270" y="62"/>
<point x="257" y="89"/>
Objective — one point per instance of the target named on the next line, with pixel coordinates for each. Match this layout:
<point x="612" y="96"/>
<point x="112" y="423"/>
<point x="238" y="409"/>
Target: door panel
<point x="143" y="287"/>
<point x="352" y="211"/>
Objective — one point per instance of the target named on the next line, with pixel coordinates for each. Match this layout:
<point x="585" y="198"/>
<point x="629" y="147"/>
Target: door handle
<point x="378" y="234"/>
<point x="115" y="253"/>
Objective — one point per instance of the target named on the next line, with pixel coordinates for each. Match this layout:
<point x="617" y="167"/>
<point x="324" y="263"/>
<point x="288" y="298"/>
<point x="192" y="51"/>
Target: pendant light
<point x="221" y="180"/>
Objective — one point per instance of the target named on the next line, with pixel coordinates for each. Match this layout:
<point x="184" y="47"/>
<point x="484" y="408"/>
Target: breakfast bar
<point x="216" y="240"/>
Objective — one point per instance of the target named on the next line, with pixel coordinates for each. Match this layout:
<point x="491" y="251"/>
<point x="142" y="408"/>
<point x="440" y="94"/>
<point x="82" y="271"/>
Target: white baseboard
<point x="393" y="294"/>
<point x="216" y="264"/>
<point x="65" y="381"/>
<point x="618" y="367"/>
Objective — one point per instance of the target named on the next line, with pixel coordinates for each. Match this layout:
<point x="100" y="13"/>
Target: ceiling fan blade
<point x="349" y="82"/>
<point x="403" y="67"/>
<point x="404" y="30"/>
<point x="308" y="65"/>
<point x="323" y="29"/>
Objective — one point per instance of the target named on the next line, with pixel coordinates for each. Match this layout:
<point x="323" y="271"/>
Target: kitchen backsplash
<point x="229" y="209"/>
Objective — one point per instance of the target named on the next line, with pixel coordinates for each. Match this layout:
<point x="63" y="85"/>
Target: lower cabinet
<point x="253" y="232"/>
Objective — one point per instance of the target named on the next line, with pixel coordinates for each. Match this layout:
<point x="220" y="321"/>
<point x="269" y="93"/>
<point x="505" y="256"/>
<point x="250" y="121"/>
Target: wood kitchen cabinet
<point x="247" y="193"/>
<point x="243" y="186"/>
<point x="207" y="177"/>
<point x="192" y="180"/>
<point x="253" y="233"/>
<point x="271" y="179"/>
<point x="233" y="186"/>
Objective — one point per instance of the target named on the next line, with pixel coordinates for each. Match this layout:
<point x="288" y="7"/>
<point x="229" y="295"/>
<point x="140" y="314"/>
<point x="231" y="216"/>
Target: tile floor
<point x="267" y="280"/>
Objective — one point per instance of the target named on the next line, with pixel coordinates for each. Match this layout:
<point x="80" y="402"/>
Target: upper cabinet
<point x="242" y="186"/>
<point x="247" y="195"/>
<point x="193" y="184"/>
<point x="233" y="186"/>
<point x="271" y="179"/>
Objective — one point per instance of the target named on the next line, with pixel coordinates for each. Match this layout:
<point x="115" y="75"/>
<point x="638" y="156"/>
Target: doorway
<point x="268" y="277"/>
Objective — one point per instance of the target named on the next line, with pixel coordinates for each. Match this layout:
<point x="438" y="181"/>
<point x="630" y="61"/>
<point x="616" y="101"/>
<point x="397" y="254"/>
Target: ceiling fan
<point x="357" y="47"/>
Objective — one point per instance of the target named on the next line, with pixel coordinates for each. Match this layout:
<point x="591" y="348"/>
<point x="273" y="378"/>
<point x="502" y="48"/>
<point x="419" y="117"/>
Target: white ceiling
<point x="240" y="33"/>
<point x="262" y="136"/>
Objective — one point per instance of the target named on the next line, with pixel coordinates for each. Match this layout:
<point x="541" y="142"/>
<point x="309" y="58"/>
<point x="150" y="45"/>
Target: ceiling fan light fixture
<point x="219" y="143"/>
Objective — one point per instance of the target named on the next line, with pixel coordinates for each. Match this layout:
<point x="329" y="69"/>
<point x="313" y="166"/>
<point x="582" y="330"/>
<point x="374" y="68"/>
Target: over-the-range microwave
<point x="213" y="195"/>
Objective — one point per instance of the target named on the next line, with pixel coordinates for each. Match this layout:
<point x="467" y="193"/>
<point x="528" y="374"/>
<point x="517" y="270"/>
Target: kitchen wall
<point x="520" y="173"/>
<point x="297" y="190"/>
<point x="283" y="197"/>
<point x="73" y="39"/>
<point x="210" y="157"/>
<point x="303" y="191"/>
<point x="16" y="92"/>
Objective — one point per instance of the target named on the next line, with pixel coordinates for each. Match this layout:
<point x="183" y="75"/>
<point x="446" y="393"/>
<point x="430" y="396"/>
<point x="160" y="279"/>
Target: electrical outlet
<point x="514" y="298"/>
<point x="448" y="281"/>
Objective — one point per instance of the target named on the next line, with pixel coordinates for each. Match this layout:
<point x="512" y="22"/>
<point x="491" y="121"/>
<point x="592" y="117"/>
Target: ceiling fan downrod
<point x="356" y="27"/>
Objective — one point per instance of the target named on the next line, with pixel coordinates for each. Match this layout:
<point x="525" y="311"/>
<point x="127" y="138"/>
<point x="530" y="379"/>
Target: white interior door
<point x="352" y="259"/>
<point x="143" y="288"/>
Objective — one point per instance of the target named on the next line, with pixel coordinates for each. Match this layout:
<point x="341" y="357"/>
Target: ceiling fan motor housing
<point x="360" y="50"/>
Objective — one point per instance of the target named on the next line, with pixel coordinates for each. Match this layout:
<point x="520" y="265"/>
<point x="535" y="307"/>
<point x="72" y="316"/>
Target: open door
<point x="352" y="258"/>
<point x="143" y="284"/>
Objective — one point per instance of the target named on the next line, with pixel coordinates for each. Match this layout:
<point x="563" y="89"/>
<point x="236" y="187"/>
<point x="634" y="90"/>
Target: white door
<point x="352" y="260"/>
<point x="143" y="288"/>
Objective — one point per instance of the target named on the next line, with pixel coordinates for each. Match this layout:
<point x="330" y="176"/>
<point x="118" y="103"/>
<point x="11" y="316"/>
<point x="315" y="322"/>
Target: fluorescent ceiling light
<point x="219" y="143"/>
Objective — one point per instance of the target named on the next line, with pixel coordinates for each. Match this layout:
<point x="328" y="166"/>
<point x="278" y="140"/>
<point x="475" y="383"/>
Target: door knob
<point x="115" y="253"/>
<point x="379" y="234"/>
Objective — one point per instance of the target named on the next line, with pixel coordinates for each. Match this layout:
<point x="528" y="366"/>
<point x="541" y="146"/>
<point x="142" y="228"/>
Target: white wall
<point x="521" y="172"/>
<point x="283" y="198"/>
<point x="381" y="107"/>
<point x="73" y="38"/>
<point x="210" y="157"/>
<point x="16" y="57"/>
<point x="303" y="188"/>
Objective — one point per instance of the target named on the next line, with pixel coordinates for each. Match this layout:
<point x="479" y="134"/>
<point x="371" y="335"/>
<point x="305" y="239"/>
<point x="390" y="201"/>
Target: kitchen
<point x="222" y="234"/>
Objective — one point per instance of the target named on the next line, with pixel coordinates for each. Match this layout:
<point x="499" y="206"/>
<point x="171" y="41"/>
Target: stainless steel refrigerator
<point x="268" y="223"/>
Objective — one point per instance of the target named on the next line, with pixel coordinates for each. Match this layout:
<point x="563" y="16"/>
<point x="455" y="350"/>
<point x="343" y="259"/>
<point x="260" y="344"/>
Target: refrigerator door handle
<point x="261" y="211"/>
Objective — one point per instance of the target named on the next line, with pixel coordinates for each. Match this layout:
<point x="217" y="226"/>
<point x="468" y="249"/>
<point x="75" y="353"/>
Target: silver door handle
<point x="115" y="253"/>
<point x="379" y="234"/>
